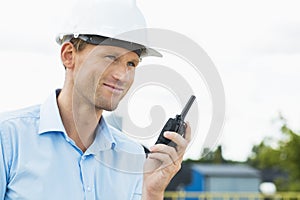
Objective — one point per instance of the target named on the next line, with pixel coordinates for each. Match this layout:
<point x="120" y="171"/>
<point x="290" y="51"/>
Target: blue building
<point x="223" y="178"/>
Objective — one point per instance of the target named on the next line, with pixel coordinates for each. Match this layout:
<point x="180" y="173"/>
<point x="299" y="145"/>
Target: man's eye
<point x="131" y="64"/>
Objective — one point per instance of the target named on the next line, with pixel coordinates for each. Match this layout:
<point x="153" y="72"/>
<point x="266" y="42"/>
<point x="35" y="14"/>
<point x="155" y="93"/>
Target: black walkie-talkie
<point x="176" y="124"/>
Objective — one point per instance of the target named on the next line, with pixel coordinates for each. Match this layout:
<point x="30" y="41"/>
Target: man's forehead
<point x="116" y="51"/>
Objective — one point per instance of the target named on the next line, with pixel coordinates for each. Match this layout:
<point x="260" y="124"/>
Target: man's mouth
<point x="113" y="88"/>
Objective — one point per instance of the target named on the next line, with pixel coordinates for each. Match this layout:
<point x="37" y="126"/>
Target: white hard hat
<point x="113" y="19"/>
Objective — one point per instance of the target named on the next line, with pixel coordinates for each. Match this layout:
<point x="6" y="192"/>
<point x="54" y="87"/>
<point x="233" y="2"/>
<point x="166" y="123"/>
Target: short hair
<point x="78" y="43"/>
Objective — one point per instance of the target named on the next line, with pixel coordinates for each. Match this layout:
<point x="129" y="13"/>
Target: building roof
<point x="238" y="170"/>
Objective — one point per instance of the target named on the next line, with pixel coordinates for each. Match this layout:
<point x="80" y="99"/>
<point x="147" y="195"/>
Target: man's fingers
<point x="166" y="161"/>
<point x="172" y="153"/>
<point x="169" y="156"/>
<point x="181" y="142"/>
<point x="188" y="134"/>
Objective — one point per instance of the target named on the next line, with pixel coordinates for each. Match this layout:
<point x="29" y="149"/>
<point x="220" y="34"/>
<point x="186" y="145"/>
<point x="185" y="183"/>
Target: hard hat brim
<point x="152" y="52"/>
<point x="141" y="50"/>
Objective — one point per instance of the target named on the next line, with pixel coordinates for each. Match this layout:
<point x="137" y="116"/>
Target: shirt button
<point x="89" y="188"/>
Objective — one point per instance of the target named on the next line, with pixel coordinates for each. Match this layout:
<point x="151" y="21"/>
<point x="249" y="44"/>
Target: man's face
<point x="103" y="75"/>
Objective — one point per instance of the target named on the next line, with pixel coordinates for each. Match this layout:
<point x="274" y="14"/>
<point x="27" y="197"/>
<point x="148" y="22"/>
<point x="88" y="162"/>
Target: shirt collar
<point x="50" y="120"/>
<point x="104" y="139"/>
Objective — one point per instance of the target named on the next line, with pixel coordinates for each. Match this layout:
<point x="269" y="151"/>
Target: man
<point x="63" y="149"/>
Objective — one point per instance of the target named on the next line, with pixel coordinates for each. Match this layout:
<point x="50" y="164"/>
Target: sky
<point x="255" y="46"/>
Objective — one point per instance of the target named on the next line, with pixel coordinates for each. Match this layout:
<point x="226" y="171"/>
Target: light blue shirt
<point x="38" y="161"/>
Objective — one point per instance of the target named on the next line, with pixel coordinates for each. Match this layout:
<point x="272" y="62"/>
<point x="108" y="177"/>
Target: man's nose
<point x="120" y="71"/>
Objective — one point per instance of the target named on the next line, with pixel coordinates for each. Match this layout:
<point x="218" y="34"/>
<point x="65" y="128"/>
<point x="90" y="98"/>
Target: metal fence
<point x="230" y="196"/>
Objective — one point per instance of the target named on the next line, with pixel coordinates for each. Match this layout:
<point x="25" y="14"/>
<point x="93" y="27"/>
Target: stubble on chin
<point x="107" y="104"/>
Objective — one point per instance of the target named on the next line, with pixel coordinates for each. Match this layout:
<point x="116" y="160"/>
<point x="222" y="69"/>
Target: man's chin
<point x="108" y="104"/>
<point x="110" y="109"/>
<point x="107" y="107"/>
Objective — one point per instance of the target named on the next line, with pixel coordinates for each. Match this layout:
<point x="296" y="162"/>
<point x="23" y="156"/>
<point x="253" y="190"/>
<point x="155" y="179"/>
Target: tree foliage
<point x="212" y="157"/>
<point x="283" y="160"/>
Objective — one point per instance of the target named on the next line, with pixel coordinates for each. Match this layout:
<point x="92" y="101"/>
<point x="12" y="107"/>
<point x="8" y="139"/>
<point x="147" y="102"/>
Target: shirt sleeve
<point x="3" y="168"/>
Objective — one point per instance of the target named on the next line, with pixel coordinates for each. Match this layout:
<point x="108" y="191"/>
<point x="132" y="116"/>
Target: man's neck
<point x="79" y="119"/>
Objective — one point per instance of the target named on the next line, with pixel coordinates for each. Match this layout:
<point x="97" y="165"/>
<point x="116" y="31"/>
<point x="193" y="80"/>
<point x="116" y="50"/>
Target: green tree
<point x="264" y="156"/>
<point x="213" y="157"/>
<point x="283" y="159"/>
<point x="290" y="153"/>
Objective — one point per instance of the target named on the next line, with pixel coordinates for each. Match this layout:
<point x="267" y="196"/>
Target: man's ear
<point x="67" y="54"/>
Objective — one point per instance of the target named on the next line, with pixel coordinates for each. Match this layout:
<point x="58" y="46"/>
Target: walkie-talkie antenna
<point x="187" y="107"/>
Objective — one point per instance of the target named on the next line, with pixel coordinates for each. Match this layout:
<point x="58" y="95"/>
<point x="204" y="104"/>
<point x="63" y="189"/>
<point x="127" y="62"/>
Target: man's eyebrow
<point x="135" y="60"/>
<point x="119" y="54"/>
<point x="111" y="52"/>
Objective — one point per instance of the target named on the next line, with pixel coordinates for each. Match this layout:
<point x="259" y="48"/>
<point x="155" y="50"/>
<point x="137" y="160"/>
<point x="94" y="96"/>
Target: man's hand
<point x="162" y="164"/>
